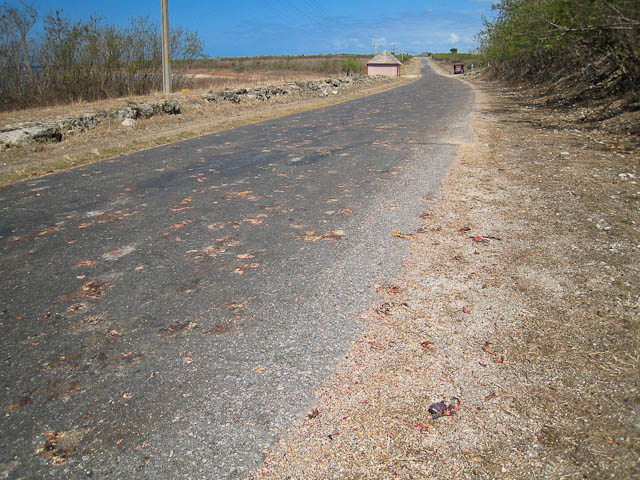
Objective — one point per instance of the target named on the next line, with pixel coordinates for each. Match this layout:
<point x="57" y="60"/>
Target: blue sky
<point x="278" y="27"/>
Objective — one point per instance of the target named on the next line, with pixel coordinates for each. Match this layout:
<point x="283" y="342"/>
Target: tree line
<point x="69" y="61"/>
<point x="593" y="44"/>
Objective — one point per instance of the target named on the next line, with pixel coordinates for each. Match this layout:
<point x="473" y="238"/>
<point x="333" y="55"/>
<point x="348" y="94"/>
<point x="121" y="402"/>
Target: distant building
<point x="384" y="64"/>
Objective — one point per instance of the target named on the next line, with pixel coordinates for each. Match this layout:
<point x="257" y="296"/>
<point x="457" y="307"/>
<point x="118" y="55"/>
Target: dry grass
<point x="217" y="80"/>
<point x="533" y="325"/>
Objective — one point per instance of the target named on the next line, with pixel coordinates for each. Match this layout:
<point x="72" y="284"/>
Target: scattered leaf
<point x="177" y="328"/>
<point x="334" y="235"/>
<point x="245" y="194"/>
<point x="234" y="306"/>
<point x="216" y="226"/>
<point x="86" y="263"/>
<point x="182" y="224"/>
<point x="487" y="348"/>
<point x="398" y="234"/>
<point x="20" y="403"/>
<point x="76" y="307"/>
<point x="388" y="289"/>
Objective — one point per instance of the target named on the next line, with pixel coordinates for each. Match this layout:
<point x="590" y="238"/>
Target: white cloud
<point x="453" y="38"/>
<point x="347" y="44"/>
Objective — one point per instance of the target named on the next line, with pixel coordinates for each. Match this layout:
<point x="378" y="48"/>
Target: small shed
<point x="384" y="64"/>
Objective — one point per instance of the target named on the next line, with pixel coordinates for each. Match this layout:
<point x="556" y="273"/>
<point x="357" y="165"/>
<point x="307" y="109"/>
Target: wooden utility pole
<point x="166" y="61"/>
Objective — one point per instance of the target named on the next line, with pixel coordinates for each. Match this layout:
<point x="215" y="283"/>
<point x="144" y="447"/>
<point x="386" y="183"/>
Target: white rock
<point x="14" y="137"/>
<point x="128" y="122"/>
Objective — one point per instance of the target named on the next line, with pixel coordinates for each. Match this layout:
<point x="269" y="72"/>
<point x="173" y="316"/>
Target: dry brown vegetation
<point x="588" y="48"/>
<point x="71" y="60"/>
<point x="520" y="299"/>
<point x="325" y="64"/>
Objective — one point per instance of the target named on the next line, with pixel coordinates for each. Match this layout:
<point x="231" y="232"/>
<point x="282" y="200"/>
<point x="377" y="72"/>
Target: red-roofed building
<point x="384" y="64"/>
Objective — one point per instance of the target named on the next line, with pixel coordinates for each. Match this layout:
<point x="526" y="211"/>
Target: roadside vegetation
<point x="329" y="64"/>
<point x="468" y="59"/>
<point x="83" y="60"/>
<point x="585" y="49"/>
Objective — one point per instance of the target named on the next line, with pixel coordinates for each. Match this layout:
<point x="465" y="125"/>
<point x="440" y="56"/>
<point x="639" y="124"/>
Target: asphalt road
<point x="166" y="314"/>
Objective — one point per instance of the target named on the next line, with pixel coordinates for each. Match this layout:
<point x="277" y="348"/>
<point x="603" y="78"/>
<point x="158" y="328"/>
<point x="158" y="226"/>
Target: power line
<point x="310" y="18"/>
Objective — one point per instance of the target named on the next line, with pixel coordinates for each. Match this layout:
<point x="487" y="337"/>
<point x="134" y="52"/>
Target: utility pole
<point x="166" y="65"/>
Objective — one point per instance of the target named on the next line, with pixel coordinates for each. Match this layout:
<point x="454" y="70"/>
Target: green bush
<point x="594" y="42"/>
<point x="351" y="66"/>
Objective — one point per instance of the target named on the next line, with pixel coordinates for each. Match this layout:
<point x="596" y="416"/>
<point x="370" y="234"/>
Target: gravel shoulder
<point x="518" y="305"/>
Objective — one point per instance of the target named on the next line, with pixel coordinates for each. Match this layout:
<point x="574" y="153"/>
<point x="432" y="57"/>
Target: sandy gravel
<point x="518" y="305"/>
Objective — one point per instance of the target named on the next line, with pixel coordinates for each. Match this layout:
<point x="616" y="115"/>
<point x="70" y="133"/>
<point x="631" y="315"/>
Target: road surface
<point x="166" y="314"/>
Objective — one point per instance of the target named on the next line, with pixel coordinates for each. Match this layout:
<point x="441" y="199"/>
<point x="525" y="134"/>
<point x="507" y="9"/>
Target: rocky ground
<point x="518" y="309"/>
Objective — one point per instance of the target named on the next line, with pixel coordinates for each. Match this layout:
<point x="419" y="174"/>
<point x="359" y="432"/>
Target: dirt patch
<point x="518" y="309"/>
